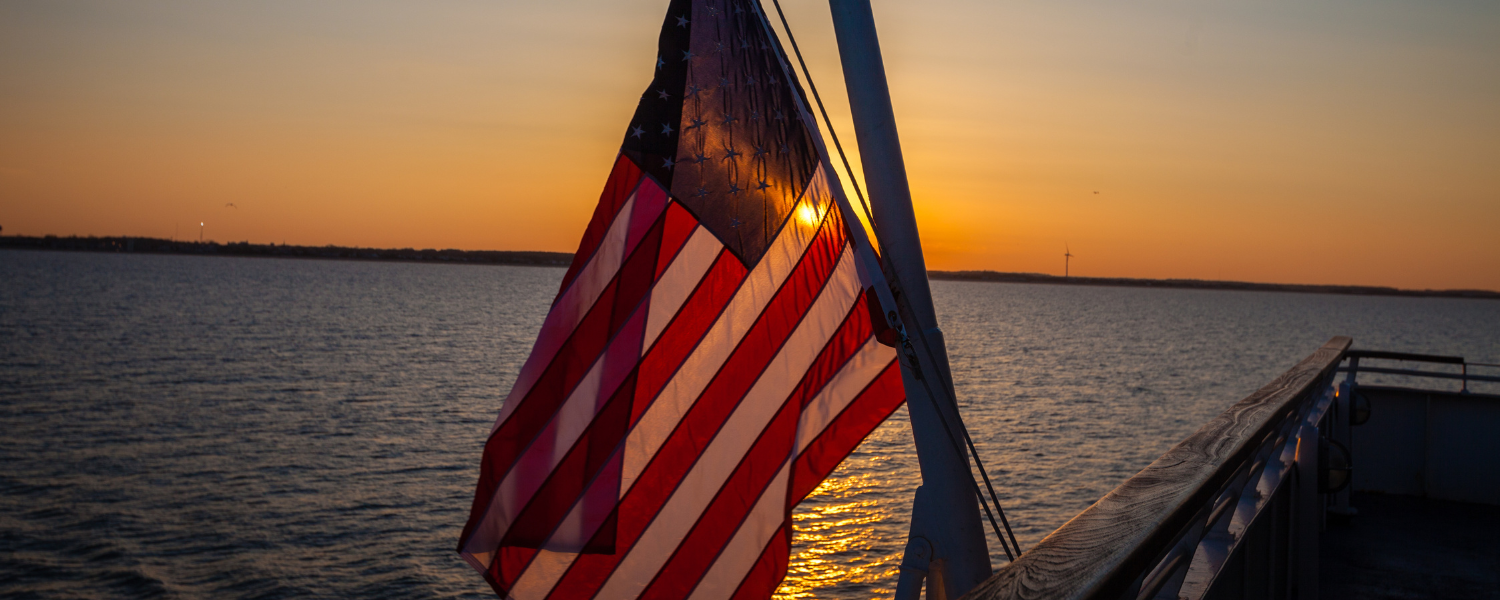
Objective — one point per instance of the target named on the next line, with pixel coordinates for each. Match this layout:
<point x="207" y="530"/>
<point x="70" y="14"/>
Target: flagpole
<point x="946" y="546"/>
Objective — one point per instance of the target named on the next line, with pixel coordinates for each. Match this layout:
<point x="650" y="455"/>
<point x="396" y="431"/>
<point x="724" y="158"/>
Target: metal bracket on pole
<point x="945" y="513"/>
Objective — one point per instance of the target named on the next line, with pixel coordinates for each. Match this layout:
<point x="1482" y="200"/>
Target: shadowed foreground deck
<point x="1409" y="547"/>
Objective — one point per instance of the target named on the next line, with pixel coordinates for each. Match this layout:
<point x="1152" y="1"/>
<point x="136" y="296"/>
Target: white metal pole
<point x="945" y="513"/>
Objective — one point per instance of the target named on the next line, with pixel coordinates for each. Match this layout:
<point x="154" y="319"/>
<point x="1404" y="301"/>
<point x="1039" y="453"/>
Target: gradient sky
<point x="1350" y="142"/>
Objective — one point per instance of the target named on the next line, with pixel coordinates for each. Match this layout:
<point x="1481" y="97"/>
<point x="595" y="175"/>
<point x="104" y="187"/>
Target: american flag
<point x="711" y="355"/>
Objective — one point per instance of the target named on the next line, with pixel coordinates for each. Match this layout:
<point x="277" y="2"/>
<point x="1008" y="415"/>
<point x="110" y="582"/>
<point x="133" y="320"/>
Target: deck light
<point x="1335" y="470"/>
<point x="1359" y="409"/>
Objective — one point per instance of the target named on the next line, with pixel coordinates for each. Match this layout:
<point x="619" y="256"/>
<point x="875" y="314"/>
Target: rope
<point x="942" y="418"/>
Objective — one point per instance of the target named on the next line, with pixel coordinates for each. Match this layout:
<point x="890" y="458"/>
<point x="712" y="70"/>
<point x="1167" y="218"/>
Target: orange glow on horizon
<point x="1339" y="143"/>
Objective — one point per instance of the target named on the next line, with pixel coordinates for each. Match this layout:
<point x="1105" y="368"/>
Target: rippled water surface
<point x="200" y="427"/>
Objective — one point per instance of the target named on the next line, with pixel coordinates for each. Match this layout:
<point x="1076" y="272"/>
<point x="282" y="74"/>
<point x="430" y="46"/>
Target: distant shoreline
<point x="142" y="245"/>
<point x="562" y="259"/>
<point x="1201" y="284"/>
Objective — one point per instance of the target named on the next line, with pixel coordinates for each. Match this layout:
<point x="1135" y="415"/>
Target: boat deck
<point x="1408" y="547"/>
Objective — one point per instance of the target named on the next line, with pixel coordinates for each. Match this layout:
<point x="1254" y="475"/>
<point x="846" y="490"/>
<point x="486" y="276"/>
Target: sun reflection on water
<point x="843" y="538"/>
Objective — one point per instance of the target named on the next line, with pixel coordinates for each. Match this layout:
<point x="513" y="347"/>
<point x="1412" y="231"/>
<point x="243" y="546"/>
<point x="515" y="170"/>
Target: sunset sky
<point x="1348" y="142"/>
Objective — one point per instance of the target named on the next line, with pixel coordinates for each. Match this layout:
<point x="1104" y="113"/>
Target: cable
<point x="826" y="121"/>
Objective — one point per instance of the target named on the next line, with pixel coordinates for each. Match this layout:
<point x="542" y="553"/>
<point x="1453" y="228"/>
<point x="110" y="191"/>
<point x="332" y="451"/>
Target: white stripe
<point x="692" y="262"/>
<point x="571" y="308"/>
<point x="659" y="421"/>
<point x="852" y="379"/>
<point x="739" y="556"/>
<point x="547" y="566"/>
<point x="738" y="434"/>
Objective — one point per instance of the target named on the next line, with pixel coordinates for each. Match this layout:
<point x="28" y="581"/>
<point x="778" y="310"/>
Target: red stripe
<point x="740" y="492"/>
<point x="680" y="227"/>
<point x="846" y="431"/>
<point x="506" y="568"/>
<point x="699" y="426"/>
<point x="770" y="569"/>
<point x="574" y="359"/>
<point x="617" y="189"/>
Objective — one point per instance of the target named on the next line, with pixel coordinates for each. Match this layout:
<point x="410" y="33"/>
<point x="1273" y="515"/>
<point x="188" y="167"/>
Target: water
<point x="214" y="427"/>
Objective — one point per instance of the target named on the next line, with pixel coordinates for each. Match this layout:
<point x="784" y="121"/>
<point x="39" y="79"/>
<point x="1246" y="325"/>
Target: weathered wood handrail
<point x="1108" y="547"/>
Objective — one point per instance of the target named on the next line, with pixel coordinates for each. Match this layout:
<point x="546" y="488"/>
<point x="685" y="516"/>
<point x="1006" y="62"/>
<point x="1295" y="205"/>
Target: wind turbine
<point x="1067" y="257"/>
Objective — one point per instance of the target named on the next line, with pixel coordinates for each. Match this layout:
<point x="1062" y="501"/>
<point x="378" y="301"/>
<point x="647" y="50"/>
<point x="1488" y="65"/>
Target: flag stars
<point x="662" y="93"/>
<point x="729" y="118"/>
<point x="666" y="129"/>
<point x="734" y="189"/>
<point x="682" y="21"/>
<point x="702" y="192"/>
<point x="730" y="154"/>
<point x="723" y="82"/>
<point x="762" y="185"/>
<point x="754" y="115"/>
<point x="659" y="62"/>
<point x="687" y="55"/>
<point x="696" y="123"/>
<point x="734" y="223"/>
<point x="636" y="132"/>
<point x="692" y="91"/>
<point x="667" y="163"/>
<point x="700" y="158"/>
<point x="760" y="151"/>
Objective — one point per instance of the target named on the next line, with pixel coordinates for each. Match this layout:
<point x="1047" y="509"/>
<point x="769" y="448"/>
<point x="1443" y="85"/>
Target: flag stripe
<point x="749" y="543"/>
<point x="868" y="410"/>
<point x="770" y="568"/>
<point x="734" y="500"/>
<point x="689" y="326"/>
<point x="733" y="413"/>
<point x="680" y="280"/>
<point x="680" y="225"/>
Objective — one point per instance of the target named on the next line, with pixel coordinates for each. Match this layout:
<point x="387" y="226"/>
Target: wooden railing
<point x="1240" y="492"/>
